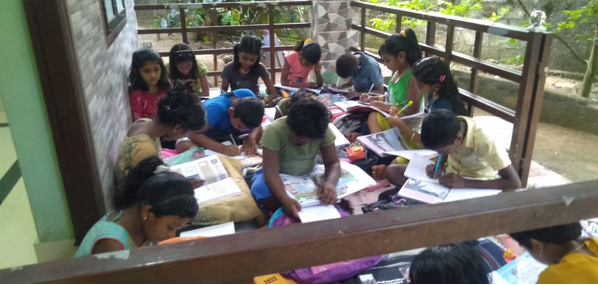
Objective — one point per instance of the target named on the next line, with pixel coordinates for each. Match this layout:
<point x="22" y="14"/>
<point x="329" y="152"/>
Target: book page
<point x="431" y="193"/>
<point x="318" y="213"/>
<point x="408" y="154"/>
<point x="294" y="89"/>
<point x="523" y="270"/>
<point x="416" y="169"/>
<point x="208" y="168"/>
<point x="389" y="140"/>
<point x="211" y="231"/>
<point x="469" y="193"/>
<point x="245" y="161"/>
<point x="340" y="138"/>
<point x="218" y="190"/>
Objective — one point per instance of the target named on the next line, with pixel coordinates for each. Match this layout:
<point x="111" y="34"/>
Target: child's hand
<point x="395" y="121"/>
<point x="352" y="137"/>
<point x="291" y="207"/>
<point x="379" y="171"/>
<point x="430" y="171"/>
<point x="327" y="194"/>
<point x="363" y="97"/>
<point x="453" y="180"/>
<point x="231" y="150"/>
<point x="249" y="147"/>
<point x="197" y="182"/>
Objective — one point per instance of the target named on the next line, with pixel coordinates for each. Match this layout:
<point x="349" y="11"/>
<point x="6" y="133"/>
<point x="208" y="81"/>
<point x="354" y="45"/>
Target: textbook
<point x="428" y="190"/>
<point x="522" y="270"/>
<point x="218" y="185"/>
<point x="295" y="89"/>
<point x="246" y="161"/>
<point x="305" y="188"/>
<point x="354" y="106"/>
<point x="384" y="142"/>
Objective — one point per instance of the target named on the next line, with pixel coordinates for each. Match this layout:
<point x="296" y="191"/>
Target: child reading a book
<point x="184" y="69"/>
<point x="148" y="208"/>
<point x="246" y="68"/>
<point x="229" y="114"/>
<point x="364" y="73"/>
<point x="290" y="146"/>
<point x="570" y="259"/>
<point x="449" y="264"/>
<point x="466" y="150"/>
<point x="178" y="113"/>
<point x="148" y="83"/>
<point x="298" y="65"/>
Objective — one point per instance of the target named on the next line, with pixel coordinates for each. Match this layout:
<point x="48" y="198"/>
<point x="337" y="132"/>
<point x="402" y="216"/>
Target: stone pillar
<point x="331" y="28"/>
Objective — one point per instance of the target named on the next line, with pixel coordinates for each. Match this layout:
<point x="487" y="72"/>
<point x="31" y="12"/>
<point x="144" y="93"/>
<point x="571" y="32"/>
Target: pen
<point x="406" y="106"/>
<point x="232" y="139"/>
<point x="438" y="163"/>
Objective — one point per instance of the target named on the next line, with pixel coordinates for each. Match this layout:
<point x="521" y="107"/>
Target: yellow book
<point x="272" y="279"/>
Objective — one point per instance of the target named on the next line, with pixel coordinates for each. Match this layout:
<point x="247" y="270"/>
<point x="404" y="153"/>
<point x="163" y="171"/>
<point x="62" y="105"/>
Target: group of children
<point x="151" y="203"/>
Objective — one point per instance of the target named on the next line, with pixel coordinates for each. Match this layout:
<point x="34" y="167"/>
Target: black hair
<point x="300" y="94"/>
<point x="347" y="65"/>
<point x="181" y="107"/>
<point x="168" y="193"/>
<point x="432" y="70"/>
<point x="182" y="53"/>
<point x="408" y="44"/>
<point x="439" y="129"/>
<point x="250" y="110"/>
<point x="310" y="51"/>
<point x="449" y="264"/>
<point x="140" y="58"/>
<point x="554" y="235"/>
<point x="308" y="118"/>
<point x="251" y="45"/>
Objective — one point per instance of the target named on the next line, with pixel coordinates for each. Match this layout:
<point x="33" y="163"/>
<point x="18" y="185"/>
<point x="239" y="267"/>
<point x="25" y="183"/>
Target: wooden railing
<point x="531" y="79"/>
<point x="240" y="257"/>
<point x="270" y="26"/>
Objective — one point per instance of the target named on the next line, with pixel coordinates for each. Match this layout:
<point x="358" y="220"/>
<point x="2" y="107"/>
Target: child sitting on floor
<point x="364" y="73"/>
<point x="466" y="150"/>
<point x="246" y="68"/>
<point x="570" y="259"/>
<point x="186" y="70"/>
<point x="148" y="83"/>
<point x="229" y="114"/>
<point x="148" y="208"/>
<point x="449" y="264"/>
<point x="291" y="145"/>
<point x="298" y="65"/>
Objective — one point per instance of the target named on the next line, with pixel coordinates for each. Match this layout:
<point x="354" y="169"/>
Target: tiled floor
<point x="17" y="229"/>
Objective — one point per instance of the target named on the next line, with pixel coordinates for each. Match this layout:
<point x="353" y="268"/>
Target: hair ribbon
<point x="307" y="41"/>
<point x="442" y="77"/>
<point x="161" y="168"/>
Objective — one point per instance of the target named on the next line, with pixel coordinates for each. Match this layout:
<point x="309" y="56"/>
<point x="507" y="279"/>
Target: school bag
<point x="323" y="274"/>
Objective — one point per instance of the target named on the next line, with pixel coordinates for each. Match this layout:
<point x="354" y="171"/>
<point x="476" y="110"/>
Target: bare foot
<point x="378" y="171"/>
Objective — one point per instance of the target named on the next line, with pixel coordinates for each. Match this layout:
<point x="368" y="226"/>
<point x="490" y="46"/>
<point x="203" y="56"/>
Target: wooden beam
<point x="248" y="254"/>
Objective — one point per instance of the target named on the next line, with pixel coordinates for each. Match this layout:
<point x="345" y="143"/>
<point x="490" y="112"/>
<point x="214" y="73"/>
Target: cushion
<point x="239" y="208"/>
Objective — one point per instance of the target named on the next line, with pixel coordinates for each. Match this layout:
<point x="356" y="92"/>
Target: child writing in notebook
<point x="178" y="113"/>
<point x="466" y="150"/>
<point x="399" y="53"/>
<point x="148" y="208"/>
<point x="147" y="83"/>
<point x="570" y="259"/>
<point x="185" y="69"/>
<point x="246" y="68"/>
<point x="298" y="65"/>
<point x="363" y="71"/>
<point x="290" y="146"/>
<point x="434" y="78"/>
<point x="229" y="114"/>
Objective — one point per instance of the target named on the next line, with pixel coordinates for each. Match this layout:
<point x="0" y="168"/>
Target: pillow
<point x="239" y="208"/>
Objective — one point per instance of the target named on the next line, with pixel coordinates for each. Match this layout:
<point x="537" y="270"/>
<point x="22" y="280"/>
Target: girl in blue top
<point x="152" y="204"/>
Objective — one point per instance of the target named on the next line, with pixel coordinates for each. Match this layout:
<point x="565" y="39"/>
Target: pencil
<point x="232" y="139"/>
<point x="372" y="87"/>
<point x="406" y="106"/>
<point x="438" y="163"/>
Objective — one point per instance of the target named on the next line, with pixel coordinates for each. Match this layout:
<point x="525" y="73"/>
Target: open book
<point x="218" y="184"/>
<point x="383" y="142"/>
<point x="246" y="161"/>
<point x="294" y="89"/>
<point x="421" y="187"/>
<point x="305" y="188"/>
<point x="523" y="270"/>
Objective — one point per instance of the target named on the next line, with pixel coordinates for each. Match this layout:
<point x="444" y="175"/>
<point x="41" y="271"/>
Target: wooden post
<point x="184" y="25"/>
<point x="473" y="81"/>
<point x="272" y="42"/>
<point x="398" y="27"/>
<point x="362" y="29"/>
<point x="430" y="34"/>
<point x="448" y="48"/>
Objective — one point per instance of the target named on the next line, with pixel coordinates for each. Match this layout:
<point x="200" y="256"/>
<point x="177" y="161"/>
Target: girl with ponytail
<point x="178" y="113"/>
<point x="149" y="207"/>
<point x="298" y="65"/>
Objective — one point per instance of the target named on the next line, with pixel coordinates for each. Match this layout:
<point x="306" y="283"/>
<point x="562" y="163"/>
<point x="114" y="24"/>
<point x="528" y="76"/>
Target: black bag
<point x="389" y="200"/>
<point x="391" y="270"/>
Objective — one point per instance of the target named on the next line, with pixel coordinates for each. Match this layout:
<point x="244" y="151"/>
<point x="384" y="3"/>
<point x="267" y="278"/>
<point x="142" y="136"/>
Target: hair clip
<point x="161" y="168"/>
<point x="403" y="34"/>
<point x="442" y="77"/>
<point x="306" y="41"/>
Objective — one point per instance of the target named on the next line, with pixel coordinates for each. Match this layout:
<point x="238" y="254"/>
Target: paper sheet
<point x="212" y="231"/>
<point x="318" y="213"/>
<point x="340" y="139"/>
<point x="408" y="154"/>
<point x="416" y="169"/>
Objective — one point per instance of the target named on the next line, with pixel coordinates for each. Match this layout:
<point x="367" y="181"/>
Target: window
<point x="115" y="16"/>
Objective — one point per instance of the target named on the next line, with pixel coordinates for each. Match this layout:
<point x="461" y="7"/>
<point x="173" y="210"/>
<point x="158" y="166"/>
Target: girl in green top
<point x="149" y="207"/>
<point x="184" y="68"/>
<point x="399" y="52"/>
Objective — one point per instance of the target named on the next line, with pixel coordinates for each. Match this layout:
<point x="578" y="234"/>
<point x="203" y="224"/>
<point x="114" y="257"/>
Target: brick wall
<point x="104" y="72"/>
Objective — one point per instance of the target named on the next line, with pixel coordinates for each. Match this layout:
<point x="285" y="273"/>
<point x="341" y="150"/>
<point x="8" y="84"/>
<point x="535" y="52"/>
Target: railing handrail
<point x="240" y="257"/>
<point x="471" y="24"/>
<point x="220" y="5"/>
